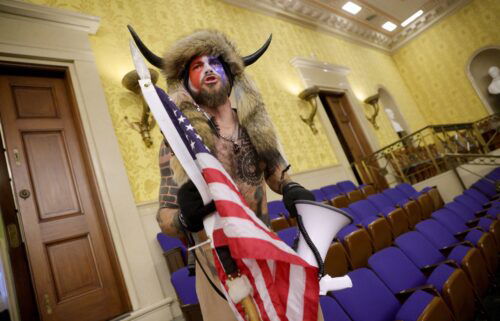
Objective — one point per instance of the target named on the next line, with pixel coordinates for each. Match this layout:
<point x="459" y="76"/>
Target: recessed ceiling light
<point x="413" y="17"/>
<point x="389" y="26"/>
<point x="351" y="7"/>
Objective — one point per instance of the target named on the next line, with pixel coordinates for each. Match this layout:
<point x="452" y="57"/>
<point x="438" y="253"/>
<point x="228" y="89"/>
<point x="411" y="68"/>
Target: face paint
<point x="205" y="70"/>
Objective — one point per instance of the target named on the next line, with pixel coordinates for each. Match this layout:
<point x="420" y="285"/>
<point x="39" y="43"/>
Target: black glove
<point x="293" y="192"/>
<point x="192" y="209"/>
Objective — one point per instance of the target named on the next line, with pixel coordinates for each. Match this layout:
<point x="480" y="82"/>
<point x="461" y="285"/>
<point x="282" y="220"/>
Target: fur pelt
<point x="249" y="105"/>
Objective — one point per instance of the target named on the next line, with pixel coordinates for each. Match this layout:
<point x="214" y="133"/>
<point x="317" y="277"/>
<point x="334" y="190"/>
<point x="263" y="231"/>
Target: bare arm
<point x="277" y="176"/>
<point x="169" y="209"/>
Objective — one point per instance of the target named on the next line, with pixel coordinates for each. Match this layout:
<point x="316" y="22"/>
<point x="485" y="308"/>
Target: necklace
<point x="234" y="137"/>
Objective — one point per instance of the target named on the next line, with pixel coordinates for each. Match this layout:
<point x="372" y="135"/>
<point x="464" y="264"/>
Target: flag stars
<point x="189" y="127"/>
<point x="181" y="119"/>
<point x="192" y="144"/>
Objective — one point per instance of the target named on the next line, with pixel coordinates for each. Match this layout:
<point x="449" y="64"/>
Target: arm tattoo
<point x="168" y="186"/>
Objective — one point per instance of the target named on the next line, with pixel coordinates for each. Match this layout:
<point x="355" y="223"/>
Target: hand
<point x="294" y="192"/>
<point x="192" y="209"/>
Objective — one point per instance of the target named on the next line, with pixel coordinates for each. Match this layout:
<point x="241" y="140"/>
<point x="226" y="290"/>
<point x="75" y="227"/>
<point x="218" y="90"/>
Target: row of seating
<point x="448" y="256"/>
<point x="398" y="231"/>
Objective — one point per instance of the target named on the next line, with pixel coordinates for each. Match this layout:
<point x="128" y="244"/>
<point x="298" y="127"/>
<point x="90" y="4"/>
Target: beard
<point x="212" y="98"/>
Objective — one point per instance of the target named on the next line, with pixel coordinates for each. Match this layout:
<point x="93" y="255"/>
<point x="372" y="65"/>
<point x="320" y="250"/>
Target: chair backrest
<point x="396" y="195"/>
<point x="414" y="212"/>
<point x="486" y="187"/>
<point x="185" y="286"/>
<point x="288" y="235"/>
<point x="381" y="202"/>
<point x="469" y="202"/>
<point x="336" y="262"/>
<point x="319" y="196"/>
<point x="396" y="270"/>
<point x="363" y="209"/>
<point x="276" y="209"/>
<point x="331" y="309"/>
<point x="355" y="195"/>
<point x="449" y="220"/>
<point x="368" y="299"/>
<point x="346" y="186"/>
<point x="436" y="233"/>
<point x="461" y="210"/>
<point x="418" y="249"/>
<point x="407" y="189"/>
<point x="426" y="205"/>
<point x="331" y="191"/>
<point x="167" y="243"/>
<point x="358" y="246"/>
<point x="477" y="195"/>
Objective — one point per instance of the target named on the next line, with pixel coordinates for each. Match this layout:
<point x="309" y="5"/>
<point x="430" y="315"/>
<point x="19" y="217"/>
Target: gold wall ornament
<point x="309" y="94"/>
<point x="373" y="101"/>
<point x="147" y="122"/>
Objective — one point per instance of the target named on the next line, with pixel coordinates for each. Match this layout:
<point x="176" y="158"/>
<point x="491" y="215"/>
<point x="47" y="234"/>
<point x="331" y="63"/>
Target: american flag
<point x="285" y="287"/>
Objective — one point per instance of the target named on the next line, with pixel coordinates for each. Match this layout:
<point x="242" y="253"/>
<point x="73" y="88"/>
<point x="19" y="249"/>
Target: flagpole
<point x="172" y="136"/>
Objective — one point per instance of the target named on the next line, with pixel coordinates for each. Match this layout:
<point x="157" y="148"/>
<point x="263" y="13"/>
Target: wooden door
<point x="351" y="137"/>
<point x="73" y="267"/>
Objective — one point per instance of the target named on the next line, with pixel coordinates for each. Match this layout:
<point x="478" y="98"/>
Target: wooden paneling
<point x="34" y="102"/>
<point x="50" y="169"/>
<point x="73" y="266"/>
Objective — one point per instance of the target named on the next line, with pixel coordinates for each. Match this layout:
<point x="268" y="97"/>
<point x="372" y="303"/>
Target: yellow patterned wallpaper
<point x="433" y="65"/>
<point x="161" y="22"/>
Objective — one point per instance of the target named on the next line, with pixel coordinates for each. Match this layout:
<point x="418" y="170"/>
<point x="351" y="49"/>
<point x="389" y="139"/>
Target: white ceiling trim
<point x="318" y="18"/>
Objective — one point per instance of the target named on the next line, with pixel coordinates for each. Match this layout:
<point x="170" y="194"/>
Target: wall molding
<point x="59" y="17"/>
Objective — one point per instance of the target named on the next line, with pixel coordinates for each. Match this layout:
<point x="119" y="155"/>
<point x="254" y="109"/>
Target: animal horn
<point x="148" y="54"/>
<point x="250" y="59"/>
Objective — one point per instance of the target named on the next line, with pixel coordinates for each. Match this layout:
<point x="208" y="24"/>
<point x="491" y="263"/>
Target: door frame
<point x="62" y="41"/>
<point x="332" y="79"/>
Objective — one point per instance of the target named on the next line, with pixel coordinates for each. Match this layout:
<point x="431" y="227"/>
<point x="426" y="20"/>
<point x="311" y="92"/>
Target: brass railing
<point x="422" y="155"/>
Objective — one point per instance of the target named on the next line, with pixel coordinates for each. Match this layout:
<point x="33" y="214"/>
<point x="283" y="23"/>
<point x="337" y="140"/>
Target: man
<point x="202" y="70"/>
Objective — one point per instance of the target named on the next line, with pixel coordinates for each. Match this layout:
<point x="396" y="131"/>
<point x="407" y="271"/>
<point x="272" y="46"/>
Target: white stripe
<point x="297" y="287"/>
<point x="236" y="227"/>
<point x="260" y="284"/>
<point x="222" y="192"/>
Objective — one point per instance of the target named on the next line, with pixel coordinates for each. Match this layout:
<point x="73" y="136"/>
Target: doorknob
<point x="24" y="194"/>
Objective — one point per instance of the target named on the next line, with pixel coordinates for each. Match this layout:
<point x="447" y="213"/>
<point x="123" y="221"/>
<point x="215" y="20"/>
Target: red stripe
<point x="261" y="250"/>
<point x="272" y="290"/>
<point x="311" y="295"/>
<point x="283" y="280"/>
<point x="213" y="175"/>
<point x="256" y="294"/>
<point x="223" y="279"/>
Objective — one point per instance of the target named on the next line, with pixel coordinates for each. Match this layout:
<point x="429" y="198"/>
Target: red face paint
<point x="205" y="70"/>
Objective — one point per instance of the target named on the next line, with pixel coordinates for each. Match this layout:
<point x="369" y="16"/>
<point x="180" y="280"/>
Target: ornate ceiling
<point x="365" y="27"/>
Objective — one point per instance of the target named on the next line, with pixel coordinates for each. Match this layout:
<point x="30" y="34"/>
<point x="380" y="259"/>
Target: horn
<point x="319" y="224"/>
<point x="250" y="59"/>
<point x="148" y="54"/>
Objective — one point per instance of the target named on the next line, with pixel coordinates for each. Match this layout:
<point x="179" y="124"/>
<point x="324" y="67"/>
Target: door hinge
<point x="48" y="308"/>
<point x="13" y="236"/>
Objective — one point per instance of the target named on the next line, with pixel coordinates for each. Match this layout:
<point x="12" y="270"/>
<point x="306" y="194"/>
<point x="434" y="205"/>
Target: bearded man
<point x="202" y="71"/>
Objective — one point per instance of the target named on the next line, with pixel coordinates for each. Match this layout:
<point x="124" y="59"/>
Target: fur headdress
<point x="250" y="107"/>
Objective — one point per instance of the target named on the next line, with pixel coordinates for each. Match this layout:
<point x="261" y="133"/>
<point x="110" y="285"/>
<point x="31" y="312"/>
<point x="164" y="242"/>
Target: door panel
<point x="71" y="263"/>
<point x="351" y="136"/>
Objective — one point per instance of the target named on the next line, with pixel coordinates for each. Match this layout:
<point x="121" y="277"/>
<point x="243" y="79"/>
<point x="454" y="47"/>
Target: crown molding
<point x="306" y="13"/>
<point x="301" y="62"/>
<point x="64" y="18"/>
